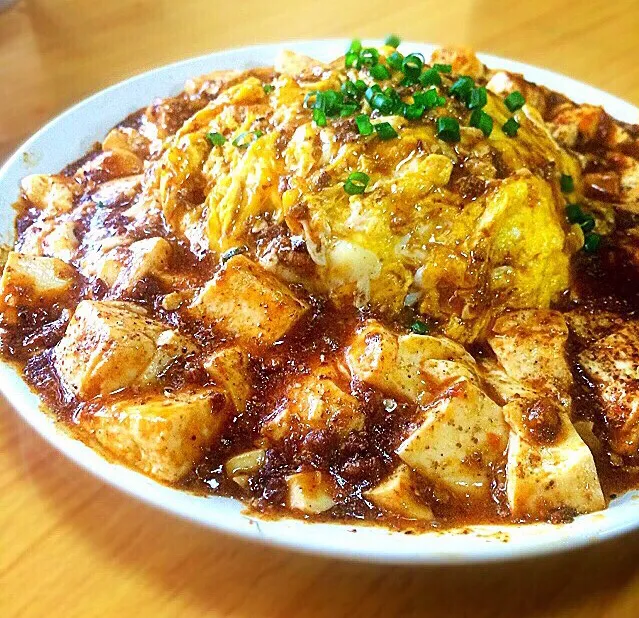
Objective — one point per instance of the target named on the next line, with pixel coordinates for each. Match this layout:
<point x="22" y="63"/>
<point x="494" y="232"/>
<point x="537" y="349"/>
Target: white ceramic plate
<point x="70" y="135"/>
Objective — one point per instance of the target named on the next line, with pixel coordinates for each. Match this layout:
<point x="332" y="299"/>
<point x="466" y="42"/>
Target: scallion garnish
<point x="356" y="183"/>
<point x="364" y="124"/>
<point x="448" y="129"/>
<point x="369" y="56"/>
<point x="382" y="103"/>
<point x="427" y="98"/>
<point x="355" y="46"/>
<point x="592" y="242"/>
<point x="395" y="61"/>
<point x="243" y="140"/>
<point x="514" y="101"/>
<point x="587" y="224"/>
<point x="574" y="214"/>
<point x="462" y="88"/>
<point x="443" y="68"/>
<point x="567" y="183"/>
<point x="385" y="131"/>
<point x="419" y="328"/>
<point x="412" y="65"/>
<point x="510" y="127"/>
<point x="481" y="120"/>
<point x="392" y="40"/>
<point x="215" y="139"/>
<point x="348" y="109"/>
<point x="379" y="72"/>
<point x="268" y="88"/>
<point x="413" y="112"/>
<point x="319" y="116"/>
<point x="430" y="77"/>
<point x="478" y="98"/>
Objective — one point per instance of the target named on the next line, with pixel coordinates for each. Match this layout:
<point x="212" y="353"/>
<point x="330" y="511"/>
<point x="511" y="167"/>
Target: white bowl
<point x="70" y="135"/>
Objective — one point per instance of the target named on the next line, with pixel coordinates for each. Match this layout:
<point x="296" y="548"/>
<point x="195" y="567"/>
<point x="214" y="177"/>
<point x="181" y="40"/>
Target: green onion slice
<point x="514" y="101"/>
<point x="215" y="139"/>
<point x="369" y="56"/>
<point x="481" y="120"/>
<point x="567" y="183"/>
<point x="268" y="88"/>
<point x="592" y="242"/>
<point x="462" y="88"/>
<point x="413" y="112"/>
<point x="510" y="127"/>
<point x="412" y="65"/>
<point x="319" y="117"/>
<point x="379" y="72"/>
<point x="395" y="61"/>
<point x="392" y="40"/>
<point x="478" y="98"/>
<point x="385" y="130"/>
<point x="443" y="68"/>
<point x="430" y="77"/>
<point x="419" y="328"/>
<point x="364" y="125"/>
<point x="448" y="129"/>
<point x="356" y="183"/>
<point x="243" y="140"/>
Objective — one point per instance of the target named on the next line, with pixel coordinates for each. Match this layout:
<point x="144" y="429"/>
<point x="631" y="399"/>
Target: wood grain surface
<point x="71" y="546"/>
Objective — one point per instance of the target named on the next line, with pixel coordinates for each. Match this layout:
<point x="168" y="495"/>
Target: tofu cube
<point x="542" y="478"/>
<point x="612" y="365"/>
<point x="113" y="345"/>
<point x="589" y="325"/>
<point x="531" y="347"/>
<point x="249" y="303"/>
<point x="415" y="367"/>
<point x="460" y="435"/>
<point x="315" y="402"/>
<point x="310" y="492"/>
<point x="51" y="193"/>
<point x="229" y="367"/>
<point x="162" y="436"/>
<point x="31" y="281"/>
<point x="397" y="494"/>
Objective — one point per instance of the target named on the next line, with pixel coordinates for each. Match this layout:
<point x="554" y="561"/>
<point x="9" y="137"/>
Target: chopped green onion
<point x="592" y="242"/>
<point x="478" y="98"/>
<point x="364" y="125"/>
<point x="412" y="65"/>
<point x="348" y="109"/>
<point x="355" y="47"/>
<point x="379" y="72"/>
<point x="510" y="127"/>
<point x="448" y="129"/>
<point x="588" y="223"/>
<point x="385" y="131"/>
<point x="395" y="61"/>
<point x="369" y="56"/>
<point x="242" y="141"/>
<point x="574" y="214"/>
<point x="430" y="77"/>
<point x="419" y="328"/>
<point x="427" y="98"/>
<point x="392" y="40"/>
<point x="514" y="101"/>
<point x="371" y="92"/>
<point x="215" y="139"/>
<point x="413" y="112"/>
<point x="319" y="117"/>
<point x="356" y="183"/>
<point x="443" y="68"/>
<point x="268" y="88"/>
<point x="481" y="120"/>
<point x="227" y="255"/>
<point x="566" y="183"/>
<point x="382" y="103"/>
<point x="350" y="91"/>
<point x="361" y="86"/>
<point x="351" y="59"/>
<point x="462" y="88"/>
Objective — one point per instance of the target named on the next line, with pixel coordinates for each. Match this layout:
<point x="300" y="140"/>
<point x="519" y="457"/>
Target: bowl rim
<point x="474" y="544"/>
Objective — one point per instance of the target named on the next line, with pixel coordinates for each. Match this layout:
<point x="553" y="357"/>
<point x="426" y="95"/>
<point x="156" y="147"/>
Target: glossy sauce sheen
<point x="363" y="458"/>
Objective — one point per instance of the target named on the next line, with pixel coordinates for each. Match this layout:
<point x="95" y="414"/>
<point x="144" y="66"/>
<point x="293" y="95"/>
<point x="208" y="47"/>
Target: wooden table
<point x="71" y="546"/>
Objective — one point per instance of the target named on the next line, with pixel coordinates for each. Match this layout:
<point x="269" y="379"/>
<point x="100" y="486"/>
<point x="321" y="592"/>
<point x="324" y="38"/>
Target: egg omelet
<point x="459" y="231"/>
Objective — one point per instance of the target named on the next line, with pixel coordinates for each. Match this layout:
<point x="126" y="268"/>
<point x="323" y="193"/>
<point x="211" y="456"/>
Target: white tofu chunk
<point x="549" y="466"/>
<point x="30" y="281"/>
<point x="229" y="367"/>
<point x="416" y="367"/>
<point x="247" y="302"/>
<point x="240" y="467"/>
<point x="112" y="345"/>
<point x="460" y="435"/>
<point x="542" y="478"/>
<point x="162" y="436"/>
<point x="51" y="193"/>
<point x="310" y="492"/>
<point x="315" y="402"/>
<point x="531" y="347"/>
<point x="397" y="494"/>
<point x="612" y="365"/>
<point x="588" y="325"/>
